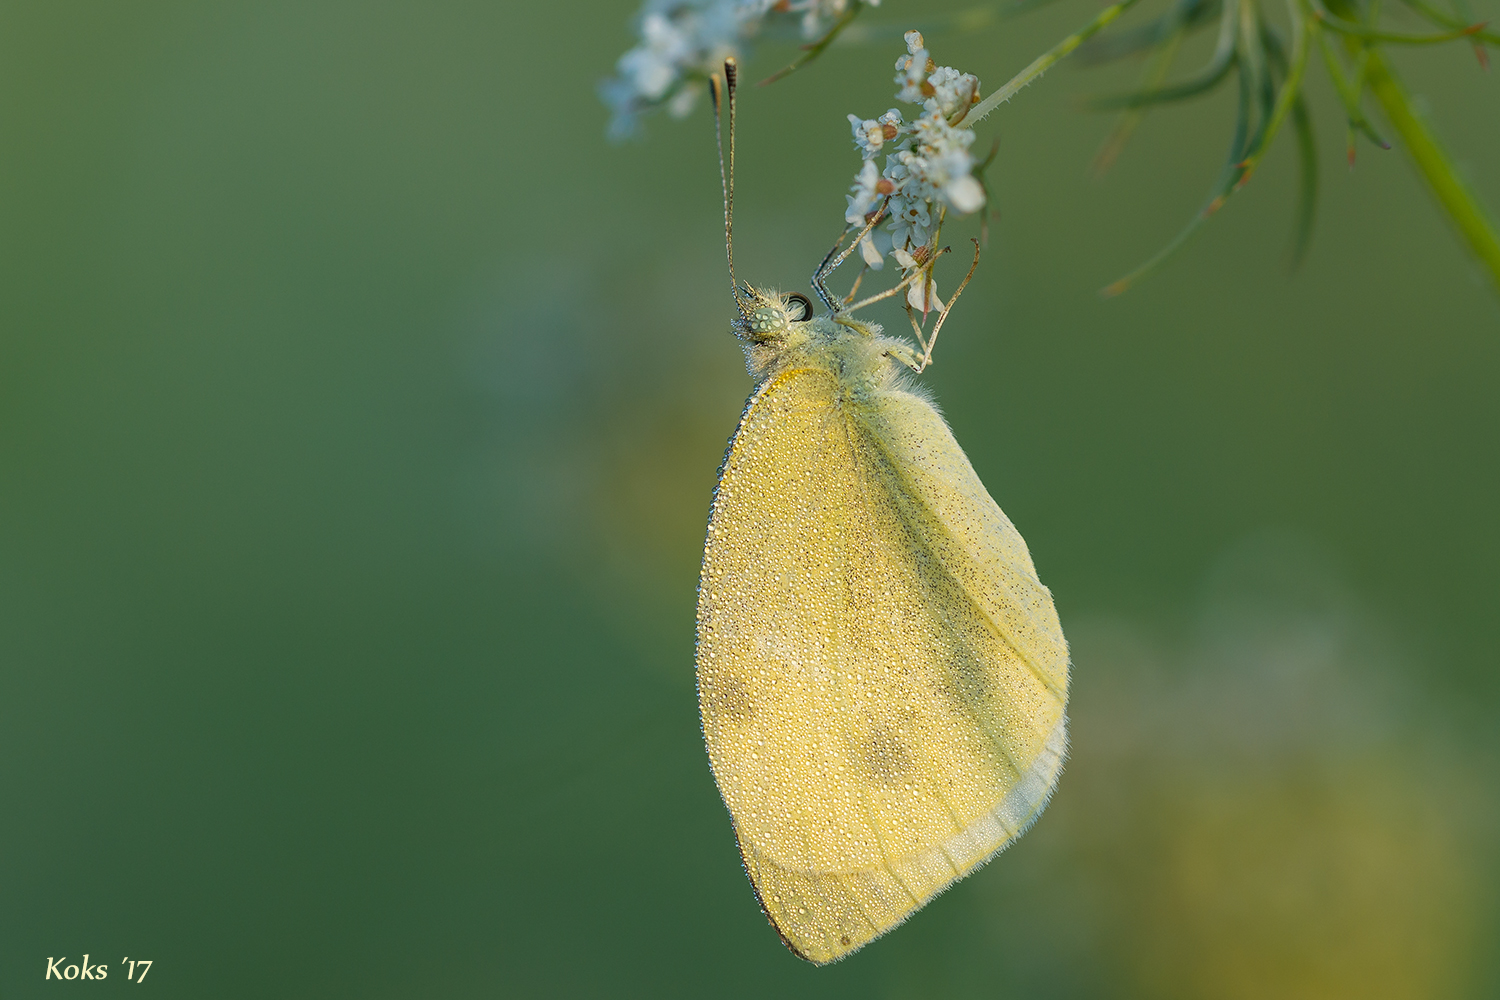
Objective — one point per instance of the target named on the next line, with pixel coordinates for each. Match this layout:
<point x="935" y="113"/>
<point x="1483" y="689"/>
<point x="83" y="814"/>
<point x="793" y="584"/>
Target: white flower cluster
<point x="927" y="164"/>
<point x="683" y="41"/>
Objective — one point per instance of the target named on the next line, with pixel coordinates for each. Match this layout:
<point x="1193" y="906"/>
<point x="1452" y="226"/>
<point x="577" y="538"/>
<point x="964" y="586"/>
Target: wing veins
<point x="862" y="477"/>
<point x="971" y="711"/>
<point x="894" y="471"/>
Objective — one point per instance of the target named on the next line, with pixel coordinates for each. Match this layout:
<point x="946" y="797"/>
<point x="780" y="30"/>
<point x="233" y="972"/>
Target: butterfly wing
<point x="881" y="676"/>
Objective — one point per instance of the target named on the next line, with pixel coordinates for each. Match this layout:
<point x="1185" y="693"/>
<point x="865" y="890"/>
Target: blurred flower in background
<point x="683" y="41"/>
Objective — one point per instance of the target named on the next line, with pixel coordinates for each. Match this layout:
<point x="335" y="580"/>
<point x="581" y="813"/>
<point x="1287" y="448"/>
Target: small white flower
<point x="873" y="258"/>
<point x="940" y="159"/>
<point x="895" y="173"/>
<point x="866" y="194"/>
<point x="952" y="91"/>
<point x="870" y="134"/>
<point x="932" y="134"/>
<point x="912" y="70"/>
<point x="922" y="292"/>
<point x="911" y="222"/>
<point x="965" y="194"/>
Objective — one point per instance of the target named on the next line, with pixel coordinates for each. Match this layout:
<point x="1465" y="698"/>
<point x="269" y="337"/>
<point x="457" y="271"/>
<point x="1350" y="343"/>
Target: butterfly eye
<point x="807" y="308"/>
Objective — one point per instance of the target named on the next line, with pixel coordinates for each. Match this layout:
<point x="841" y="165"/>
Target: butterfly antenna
<point x="723" y="90"/>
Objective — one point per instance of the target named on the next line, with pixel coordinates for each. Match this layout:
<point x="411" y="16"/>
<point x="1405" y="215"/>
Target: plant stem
<point x="1432" y="160"/>
<point x="1042" y="63"/>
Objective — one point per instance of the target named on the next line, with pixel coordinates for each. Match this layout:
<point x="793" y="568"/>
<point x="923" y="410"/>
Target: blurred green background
<point x="359" y="411"/>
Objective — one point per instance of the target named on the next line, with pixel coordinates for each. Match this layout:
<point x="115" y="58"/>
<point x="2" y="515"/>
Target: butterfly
<point x="882" y="678"/>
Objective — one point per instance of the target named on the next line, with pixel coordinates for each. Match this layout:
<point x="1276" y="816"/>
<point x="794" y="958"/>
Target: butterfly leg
<point x="831" y="262"/>
<point x="823" y="269"/>
<point x="932" y="338"/>
<point x="908" y="356"/>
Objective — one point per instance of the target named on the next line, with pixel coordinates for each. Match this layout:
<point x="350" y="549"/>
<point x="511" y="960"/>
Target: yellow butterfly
<point x="881" y="675"/>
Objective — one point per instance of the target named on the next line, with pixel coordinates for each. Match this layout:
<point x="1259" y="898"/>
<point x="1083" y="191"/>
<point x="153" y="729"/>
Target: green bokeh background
<point x="359" y="411"/>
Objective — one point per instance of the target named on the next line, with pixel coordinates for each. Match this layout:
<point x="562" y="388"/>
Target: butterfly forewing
<point x="881" y="675"/>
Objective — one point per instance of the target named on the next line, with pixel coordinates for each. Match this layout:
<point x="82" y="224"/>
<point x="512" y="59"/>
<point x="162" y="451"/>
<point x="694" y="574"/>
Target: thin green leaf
<point x="1466" y="15"/>
<point x="1130" y="119"/>
<point x="1463" y="22"/>
<point x="1353" y="30"/>
<point x="1291" y="91"/>
<point x="1347" y="92"/>
<point x="1307" y="193"/>
<point x="1221" y="190"/>
<point x="1204" y="80"/>
<point x="1185" y="14"/>
<point x="1307" y="189"/>
<point x="1252" y="64"/>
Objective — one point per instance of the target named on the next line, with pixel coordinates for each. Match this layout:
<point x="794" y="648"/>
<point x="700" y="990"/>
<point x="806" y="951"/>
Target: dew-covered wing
<point x="881" y="676"/>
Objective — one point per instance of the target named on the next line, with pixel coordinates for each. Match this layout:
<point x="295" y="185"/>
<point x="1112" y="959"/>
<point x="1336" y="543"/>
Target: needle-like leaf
<point x="1307" y="188"/>
<point x="1221" y="189"/>
<point x="1291" y="91"/>
<point x="1205" y="79"/>
<point x="1353" y="30"/>
<point x="1185" y="14"/>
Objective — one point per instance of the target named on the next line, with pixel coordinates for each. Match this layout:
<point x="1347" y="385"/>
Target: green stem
<point x="1447" y="186"/>
<point x="1043" y="62"/>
